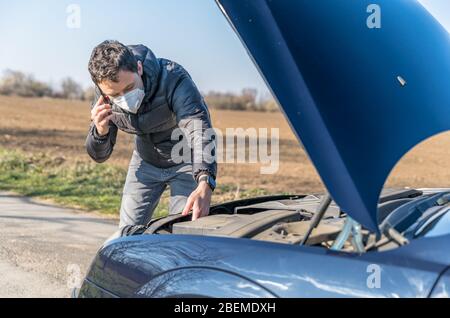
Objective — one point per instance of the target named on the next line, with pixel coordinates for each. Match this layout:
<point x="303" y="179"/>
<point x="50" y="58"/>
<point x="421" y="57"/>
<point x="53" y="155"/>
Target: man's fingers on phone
<point x="97" y="109"/>
<point x="106" y="120"/>
<point x="100" y="101"/>
<point x="103" y="114"/>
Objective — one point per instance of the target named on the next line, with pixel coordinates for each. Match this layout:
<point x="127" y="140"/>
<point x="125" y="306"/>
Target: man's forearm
<point x="99" y="147"/>
<point x="198" y="129"/>
<point x="193" y="118"/>
<point x="203" y="148"/>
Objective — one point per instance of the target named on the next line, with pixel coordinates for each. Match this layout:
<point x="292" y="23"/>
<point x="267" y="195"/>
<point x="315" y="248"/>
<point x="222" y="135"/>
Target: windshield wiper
<point x="404" y="217"/>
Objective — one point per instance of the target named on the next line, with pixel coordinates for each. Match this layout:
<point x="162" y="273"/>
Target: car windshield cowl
<point x="417" y="218"/>
<point x="434" y="223"/>
<point x="405" y="216"/>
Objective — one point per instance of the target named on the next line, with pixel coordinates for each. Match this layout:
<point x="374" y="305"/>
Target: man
<point x="151" y="97"/>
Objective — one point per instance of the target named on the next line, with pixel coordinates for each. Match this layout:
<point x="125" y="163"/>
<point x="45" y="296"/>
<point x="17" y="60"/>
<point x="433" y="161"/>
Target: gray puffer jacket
<point x="171" y="101"/>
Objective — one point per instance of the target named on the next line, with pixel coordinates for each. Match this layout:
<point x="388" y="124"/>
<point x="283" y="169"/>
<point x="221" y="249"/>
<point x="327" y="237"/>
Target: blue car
<point x="360" y="84"/>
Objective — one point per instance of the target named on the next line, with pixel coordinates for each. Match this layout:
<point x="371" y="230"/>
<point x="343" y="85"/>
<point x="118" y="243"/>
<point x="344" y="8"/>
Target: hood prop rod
<point x="318" y="216"/>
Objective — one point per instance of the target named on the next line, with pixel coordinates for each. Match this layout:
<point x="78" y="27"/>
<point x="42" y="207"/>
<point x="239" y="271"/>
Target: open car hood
<point x="359" y="98"/>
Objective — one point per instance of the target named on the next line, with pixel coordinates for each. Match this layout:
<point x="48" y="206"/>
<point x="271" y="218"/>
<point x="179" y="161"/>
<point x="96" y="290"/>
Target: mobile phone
<point x="107" y="99"/>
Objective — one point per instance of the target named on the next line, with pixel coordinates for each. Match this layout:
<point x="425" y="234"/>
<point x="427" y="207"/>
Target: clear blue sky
<point x="34" y="38"/>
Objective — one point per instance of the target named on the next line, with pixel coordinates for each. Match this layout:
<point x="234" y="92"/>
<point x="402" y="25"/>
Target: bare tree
<point x="246" y="100"/>
<point x="248" y="96"/>
<point x="71" y="89"/>
<point x="18" y="83"/>
<point x="89" y="94"/>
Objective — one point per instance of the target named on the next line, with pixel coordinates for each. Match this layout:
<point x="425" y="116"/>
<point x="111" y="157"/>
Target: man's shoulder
<point x="172" y="68"/>
<point x="172" y="74"/>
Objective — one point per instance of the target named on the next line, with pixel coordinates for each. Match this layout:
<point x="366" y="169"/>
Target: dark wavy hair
<point x="108" y="58"/>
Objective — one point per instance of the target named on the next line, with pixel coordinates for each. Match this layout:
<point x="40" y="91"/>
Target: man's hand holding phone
<point x="101" y="115"/>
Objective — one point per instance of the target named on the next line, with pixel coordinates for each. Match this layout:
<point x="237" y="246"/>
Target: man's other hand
<point x="101" y="115"/>
<point x="199" y="201"/>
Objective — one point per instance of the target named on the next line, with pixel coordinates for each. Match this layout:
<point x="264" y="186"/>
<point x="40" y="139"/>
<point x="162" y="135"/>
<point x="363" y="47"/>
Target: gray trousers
<point x="144" y="186"/>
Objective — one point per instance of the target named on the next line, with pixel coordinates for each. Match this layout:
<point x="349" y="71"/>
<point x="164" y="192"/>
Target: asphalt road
<point x="45" y="250"/>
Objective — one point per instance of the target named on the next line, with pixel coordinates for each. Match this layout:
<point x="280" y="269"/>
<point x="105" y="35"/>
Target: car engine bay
<point x="287" y="218"/>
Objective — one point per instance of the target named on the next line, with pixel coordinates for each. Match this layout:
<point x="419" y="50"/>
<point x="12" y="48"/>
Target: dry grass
<point x="59" y="128"/>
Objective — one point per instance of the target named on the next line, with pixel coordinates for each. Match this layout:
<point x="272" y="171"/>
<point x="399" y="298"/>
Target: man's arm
<point x="193" y="117"/>
<point x="100" y="146"/>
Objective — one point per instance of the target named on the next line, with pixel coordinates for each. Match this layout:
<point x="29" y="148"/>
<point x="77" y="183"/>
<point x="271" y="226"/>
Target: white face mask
<point x="131" y="101"/>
